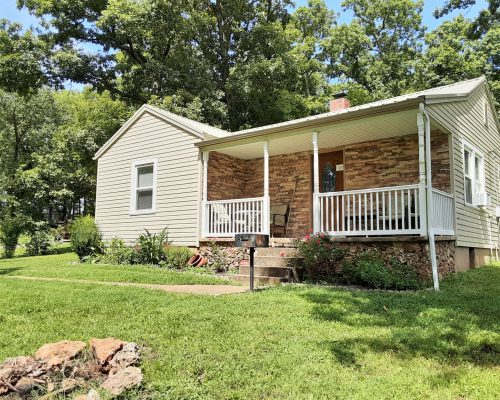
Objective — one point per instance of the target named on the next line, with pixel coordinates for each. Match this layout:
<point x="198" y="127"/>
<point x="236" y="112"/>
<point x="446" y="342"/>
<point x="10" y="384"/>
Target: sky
<point x="8" y="10"/>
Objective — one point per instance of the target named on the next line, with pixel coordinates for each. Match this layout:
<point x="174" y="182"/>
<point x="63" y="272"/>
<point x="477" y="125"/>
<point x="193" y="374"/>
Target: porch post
<point x="267" y="202"/>
<point x="422" y="198"/>
<point x="316" y="205"/>
<point x="204" y="217"/>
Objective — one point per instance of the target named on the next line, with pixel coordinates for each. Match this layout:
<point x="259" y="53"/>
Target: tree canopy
<point x="230" y="63"/>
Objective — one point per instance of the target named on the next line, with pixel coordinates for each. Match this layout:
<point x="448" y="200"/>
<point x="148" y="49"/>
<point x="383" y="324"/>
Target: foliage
<point x="177" y="257"/>
<point x="40" y="240"/>
<point x="86" y="237"/>
<point x="319" y="257"/>
<point x="371" y="270"/>
<point x="11" y="227"/>
<point x="150" y="247"/>
<point x="117" y="252"/>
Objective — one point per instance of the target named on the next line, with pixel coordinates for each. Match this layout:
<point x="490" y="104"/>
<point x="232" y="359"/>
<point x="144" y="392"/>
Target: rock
<point x="105" y="349"/>
<point x="25" y="385"/>
<point x="50" y="386"/>
<point x="127" y="356"/>
<point x="68" y="384"/>
<point x="55" y="354"/>
<point x="93" y="395"/>
<point x="122" y="380"/>
<point x="80" y="397"/>
<point x="17" y="366"/>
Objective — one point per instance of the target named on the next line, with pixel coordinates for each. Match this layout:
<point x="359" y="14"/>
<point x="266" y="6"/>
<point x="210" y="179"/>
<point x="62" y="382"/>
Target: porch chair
<point x="279" y="218"/>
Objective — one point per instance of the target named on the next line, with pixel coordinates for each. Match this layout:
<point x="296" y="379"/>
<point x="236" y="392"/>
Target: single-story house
<point x="415" y="173"/>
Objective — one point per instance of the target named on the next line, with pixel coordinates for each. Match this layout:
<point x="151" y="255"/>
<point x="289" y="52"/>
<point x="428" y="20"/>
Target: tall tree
<point x="377" y="51"/>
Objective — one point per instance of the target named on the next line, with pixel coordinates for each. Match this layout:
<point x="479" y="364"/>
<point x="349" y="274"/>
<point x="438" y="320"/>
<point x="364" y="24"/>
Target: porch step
<point x="276" y="252"/>
<point x="271" y="261"/>
<point x="278" y="272"/>
<point x="260" y="280"/>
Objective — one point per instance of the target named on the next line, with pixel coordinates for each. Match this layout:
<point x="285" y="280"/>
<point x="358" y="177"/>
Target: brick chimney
<point x="339" y="102"/>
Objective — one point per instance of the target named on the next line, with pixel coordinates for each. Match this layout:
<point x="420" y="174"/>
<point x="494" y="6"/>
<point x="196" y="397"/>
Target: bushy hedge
<point x="372" y="270"/>
<point x="41" y="239"/>
<point x="86" y="237"/>
<point x="11" y="228"/>
<point x="320" y="259"/>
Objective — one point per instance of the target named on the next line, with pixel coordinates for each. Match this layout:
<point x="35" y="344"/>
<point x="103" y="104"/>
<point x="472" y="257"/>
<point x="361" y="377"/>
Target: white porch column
<point x="316" y="205"/>
<point x="422" y="198"/>
<point x="267" y="201"/>
<point x="204" y="216"/>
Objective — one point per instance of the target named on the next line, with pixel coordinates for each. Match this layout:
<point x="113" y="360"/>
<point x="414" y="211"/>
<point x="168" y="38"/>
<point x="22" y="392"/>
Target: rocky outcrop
<point x="61" y="368"/>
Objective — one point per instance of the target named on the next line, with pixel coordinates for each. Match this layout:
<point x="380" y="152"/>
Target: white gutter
<point x="430" y="205"/>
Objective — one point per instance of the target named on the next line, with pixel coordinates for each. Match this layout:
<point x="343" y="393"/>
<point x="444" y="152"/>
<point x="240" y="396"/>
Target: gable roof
<point x="202" y="131"/>
<point x="454" y="92"/>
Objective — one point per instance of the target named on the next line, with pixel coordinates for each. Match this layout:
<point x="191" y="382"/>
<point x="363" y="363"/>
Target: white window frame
<point x="133" y="187"/>
<point x="471" y="174"/>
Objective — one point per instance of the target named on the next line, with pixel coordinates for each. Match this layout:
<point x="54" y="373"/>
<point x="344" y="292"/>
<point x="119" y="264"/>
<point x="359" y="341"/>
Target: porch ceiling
<point x="330" y="136"/>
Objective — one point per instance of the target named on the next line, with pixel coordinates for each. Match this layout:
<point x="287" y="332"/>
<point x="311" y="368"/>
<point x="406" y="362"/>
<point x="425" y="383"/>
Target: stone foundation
<point x="413" y="252"/>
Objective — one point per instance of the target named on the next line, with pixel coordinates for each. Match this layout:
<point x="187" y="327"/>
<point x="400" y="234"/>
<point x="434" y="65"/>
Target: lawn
<point x="66" y="266"/>
<point x="306" y="342"/>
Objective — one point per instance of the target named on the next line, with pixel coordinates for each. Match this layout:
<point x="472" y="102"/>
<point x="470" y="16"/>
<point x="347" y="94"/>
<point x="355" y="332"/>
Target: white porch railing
<point x="225" y="218"/>
<point x="442" y="213"/>
<point x="372" y="212"/>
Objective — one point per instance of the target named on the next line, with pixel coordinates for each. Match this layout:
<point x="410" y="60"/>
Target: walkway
<point x="211" y="290"/>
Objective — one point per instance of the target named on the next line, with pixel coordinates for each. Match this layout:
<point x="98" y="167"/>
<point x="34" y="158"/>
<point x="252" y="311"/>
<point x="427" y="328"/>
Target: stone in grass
<point x="105" y="349"/>
<point x="122" y="380"/>
<point x="55" y="354"/>
<point x="92" y="395"/>
<point x="25" y="385"/>
<point x="13" y="369"/>
<point x="127" y="356"/>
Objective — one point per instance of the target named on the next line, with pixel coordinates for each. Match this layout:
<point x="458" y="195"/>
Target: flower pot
<point x="197" y="261"/>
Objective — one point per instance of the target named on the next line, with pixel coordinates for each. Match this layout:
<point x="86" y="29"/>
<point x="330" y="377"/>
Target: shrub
<point x="371" y="270"/>
<point x="86" y="238"/>
<point x="150" y="247"/>
<point x="117" y="252"/>
<point x="11" y="227"/>
<point x="177" y="256"/>
<point x="318" y="258"/>
<point x="40" y="240"/>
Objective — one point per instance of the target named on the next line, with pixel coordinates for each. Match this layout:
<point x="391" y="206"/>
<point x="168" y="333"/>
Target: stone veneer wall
<point x="386" y="162"/>
<point x="394" y="162"/>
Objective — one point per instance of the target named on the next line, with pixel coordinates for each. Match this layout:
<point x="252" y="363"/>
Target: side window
<point x="143" y="196"/>
<point x="474" y="177"/>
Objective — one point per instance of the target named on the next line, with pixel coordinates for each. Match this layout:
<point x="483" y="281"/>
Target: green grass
<point x="289" y="342"/>
<point x="66" y="266"/>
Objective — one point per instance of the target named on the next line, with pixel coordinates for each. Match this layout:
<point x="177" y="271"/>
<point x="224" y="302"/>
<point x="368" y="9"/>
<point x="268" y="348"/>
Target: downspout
<point x="430" y="205"/>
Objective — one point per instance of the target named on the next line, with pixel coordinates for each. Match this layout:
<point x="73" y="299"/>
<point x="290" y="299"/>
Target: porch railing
<point x="225" y="218"/>
<point x="372" y="212"/>
<point x="442" y="213"/>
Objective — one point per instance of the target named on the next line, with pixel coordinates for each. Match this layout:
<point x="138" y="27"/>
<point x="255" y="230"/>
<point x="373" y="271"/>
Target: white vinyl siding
<point x="176" y="190"/>
<point x="475" y="226"/>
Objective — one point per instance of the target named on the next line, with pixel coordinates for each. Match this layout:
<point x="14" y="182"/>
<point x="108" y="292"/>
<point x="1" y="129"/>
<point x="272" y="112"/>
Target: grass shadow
<point x="8" y="271"/>
<point x="458" y="324"/>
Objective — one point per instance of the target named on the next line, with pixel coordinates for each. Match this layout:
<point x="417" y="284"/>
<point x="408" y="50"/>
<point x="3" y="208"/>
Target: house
<point x="417" y="174"/>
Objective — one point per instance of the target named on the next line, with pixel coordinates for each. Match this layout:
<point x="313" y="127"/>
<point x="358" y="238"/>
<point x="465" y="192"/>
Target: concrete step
<point x="276" y="251"/>
<point x="271" y="261"/>
<point x="279" y="272"/>
<point x="259" y="280"/>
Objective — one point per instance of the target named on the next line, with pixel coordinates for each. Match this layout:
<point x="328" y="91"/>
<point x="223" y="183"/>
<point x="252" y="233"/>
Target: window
<point x="329" y="178"/>
<point x="473" y="174"/>
<point x="143" y="187"/>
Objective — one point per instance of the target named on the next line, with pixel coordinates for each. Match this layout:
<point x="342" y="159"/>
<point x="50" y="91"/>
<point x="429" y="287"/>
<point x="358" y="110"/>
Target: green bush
<point x="86" y="237"/>
<point x="150" y="247"/>
<point x="117" y="252"/>
<point x="11" y="227"/>
<point x="319" y="258"/>
<point x="40" y="240"/>
<point x="371" y="270"/>
<point x="177" y="256"/>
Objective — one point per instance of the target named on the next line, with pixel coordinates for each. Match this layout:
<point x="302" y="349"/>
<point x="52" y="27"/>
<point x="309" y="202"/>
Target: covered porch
<point x="363" y="177"/>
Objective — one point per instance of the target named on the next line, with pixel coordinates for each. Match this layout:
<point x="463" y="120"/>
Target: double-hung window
<point x="474" y="183"/>
<point x="143" y="196"/>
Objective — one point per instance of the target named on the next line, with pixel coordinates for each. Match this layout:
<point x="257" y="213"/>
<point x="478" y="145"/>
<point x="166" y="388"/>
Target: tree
<point x="377" y="51"/>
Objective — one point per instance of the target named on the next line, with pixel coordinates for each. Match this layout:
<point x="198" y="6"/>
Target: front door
<point x="331" y="172"/>
<point x="331" y="179"/>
